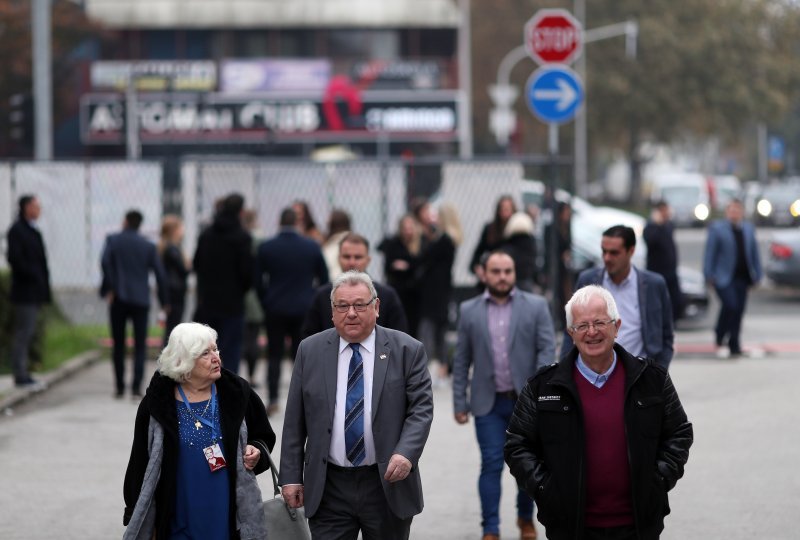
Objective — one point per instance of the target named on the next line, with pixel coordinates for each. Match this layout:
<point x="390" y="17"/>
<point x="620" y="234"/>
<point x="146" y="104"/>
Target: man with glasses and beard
<point x="505" y="335"/>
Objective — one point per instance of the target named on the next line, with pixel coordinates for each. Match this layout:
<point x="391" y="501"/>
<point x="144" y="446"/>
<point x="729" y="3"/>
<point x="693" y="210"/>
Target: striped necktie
<point x="354" y="409"/>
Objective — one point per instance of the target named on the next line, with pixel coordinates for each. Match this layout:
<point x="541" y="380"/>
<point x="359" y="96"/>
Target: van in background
<point x="687" y="194"/>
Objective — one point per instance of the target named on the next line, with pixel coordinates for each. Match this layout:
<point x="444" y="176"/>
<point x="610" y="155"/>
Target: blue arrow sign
<point x="554" y="93"/>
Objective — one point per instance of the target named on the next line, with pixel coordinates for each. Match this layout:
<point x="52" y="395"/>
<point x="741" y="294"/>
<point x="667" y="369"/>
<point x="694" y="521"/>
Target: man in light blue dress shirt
<point x="641" y="296"/>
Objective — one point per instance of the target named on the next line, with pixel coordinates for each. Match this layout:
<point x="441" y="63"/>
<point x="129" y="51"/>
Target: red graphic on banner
<point x="340" y="87"/>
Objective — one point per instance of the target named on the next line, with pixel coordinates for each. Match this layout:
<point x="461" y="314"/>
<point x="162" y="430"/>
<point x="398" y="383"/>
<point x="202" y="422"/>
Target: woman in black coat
<point x="520" y="243"/>
<point x="401" y="254"/>
<point x="492" y="234"/>
<point x="442" y="234"/>
<point x="176" y="266"/>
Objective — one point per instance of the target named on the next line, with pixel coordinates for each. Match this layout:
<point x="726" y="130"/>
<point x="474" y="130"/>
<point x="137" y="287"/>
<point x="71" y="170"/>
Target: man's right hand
<point x="462" y="417"/>
<point x="293" y="495"/>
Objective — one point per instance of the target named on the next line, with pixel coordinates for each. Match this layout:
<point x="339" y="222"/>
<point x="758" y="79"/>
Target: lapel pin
<point x="383" y="356"/>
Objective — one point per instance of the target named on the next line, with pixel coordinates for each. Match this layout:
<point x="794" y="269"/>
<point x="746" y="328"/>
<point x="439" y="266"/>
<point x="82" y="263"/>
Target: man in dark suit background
<point x="288" y="268"/>
<point x="662" y="253"/>
<point x="223" y="264"/>
<point x="641" y="296"/>
<point x="348" y="483"/>
<point x="127" y="261"/>
<point x="30" y="283"/>
<point x="354" y="255"/>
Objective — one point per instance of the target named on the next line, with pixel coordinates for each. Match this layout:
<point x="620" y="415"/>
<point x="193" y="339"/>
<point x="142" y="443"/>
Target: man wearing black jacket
<point x="599" y="438"/>
<point x="354" y="255"/>
<point x="30" y="283"/>
<point x="223" y="264"/>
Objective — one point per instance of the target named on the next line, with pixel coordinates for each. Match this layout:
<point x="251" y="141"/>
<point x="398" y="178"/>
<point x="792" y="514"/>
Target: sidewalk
<point x="67" y="449"/>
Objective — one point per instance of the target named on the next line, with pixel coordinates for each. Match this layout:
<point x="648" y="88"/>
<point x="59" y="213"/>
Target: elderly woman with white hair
<point x="201" y="436"/>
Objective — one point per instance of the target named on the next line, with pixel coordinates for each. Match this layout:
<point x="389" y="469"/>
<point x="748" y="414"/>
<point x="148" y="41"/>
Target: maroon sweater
<point x="608" y="482"/>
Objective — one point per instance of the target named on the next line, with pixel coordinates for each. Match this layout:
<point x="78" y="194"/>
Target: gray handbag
<point x="283" y="523"/>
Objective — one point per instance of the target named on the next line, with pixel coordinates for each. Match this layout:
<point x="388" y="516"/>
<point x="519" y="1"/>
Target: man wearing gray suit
<point x="358" y="415"/>
<point x="505" y="335"/>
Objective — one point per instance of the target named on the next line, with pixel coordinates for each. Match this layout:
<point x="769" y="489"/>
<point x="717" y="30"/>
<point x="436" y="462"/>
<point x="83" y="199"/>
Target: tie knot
<point x="354" y="346"/>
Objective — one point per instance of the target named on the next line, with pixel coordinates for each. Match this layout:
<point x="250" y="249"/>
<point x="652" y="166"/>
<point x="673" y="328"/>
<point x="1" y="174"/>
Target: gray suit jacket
<point x="656" y="309"/>
<point x="402" y="412"/>
<point x="532" y="346"/>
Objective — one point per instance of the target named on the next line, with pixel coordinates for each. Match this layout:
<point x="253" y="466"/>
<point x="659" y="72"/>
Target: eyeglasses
<point x="598" y="325"/>
<point x="358" y="306"/>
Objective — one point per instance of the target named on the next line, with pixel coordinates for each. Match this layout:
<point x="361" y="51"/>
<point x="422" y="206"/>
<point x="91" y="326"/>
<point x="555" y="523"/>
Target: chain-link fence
<point x="83" y="202"/>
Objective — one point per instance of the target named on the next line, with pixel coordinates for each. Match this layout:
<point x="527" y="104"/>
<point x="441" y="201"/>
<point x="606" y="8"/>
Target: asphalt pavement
<point x="65" y="451"/>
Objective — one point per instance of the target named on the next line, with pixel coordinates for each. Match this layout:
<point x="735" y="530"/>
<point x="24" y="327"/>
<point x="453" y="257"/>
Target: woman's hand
<point x="251" y="457"/>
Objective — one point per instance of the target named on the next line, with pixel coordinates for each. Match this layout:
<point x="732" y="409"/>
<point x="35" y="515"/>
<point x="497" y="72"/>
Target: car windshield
<point x="681" y="195"/>
<point x="780" y="194"/>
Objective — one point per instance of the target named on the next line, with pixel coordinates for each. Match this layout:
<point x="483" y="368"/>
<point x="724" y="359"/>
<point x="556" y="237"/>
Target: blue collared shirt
<point x="595" y="379"/>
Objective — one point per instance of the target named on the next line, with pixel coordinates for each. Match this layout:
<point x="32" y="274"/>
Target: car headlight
<point x="764" y="207"/>
<point x="795" y="208"/>
<point x="701" y="212"/>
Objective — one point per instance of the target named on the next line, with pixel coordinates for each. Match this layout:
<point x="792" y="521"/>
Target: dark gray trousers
<point x="354" y="501"/>
<point x="25" y="317"/>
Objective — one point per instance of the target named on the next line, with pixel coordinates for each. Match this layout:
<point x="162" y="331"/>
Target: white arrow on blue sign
<point x="554" y="93"/>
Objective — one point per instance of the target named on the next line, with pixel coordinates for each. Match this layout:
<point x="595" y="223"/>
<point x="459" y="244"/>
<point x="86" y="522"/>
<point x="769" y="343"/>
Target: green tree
<point x="703" y="68"/>
<point x="70" y="27"/>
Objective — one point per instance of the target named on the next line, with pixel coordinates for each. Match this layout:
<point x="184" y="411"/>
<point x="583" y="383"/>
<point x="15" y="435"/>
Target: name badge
<point x="214" y="457"/>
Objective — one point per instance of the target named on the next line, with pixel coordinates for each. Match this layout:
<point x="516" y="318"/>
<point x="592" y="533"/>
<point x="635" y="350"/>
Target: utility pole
<point x="42" y="80"/>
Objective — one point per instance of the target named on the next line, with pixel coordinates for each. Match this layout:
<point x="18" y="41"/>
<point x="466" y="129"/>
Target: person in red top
<point x="599" y="438"/>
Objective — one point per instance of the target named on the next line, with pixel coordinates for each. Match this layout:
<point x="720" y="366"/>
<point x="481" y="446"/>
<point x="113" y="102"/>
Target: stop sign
<point x="553" y="36"/>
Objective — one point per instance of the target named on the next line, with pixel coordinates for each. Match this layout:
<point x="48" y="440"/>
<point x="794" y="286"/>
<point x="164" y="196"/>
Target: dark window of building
<point x="197" y="44"/>
<point x="251" y="43"/>
<point x="297" y="43"/>
<point x="358" y="44"/>
<point x="159" y="45"/>
<point x="429" y="42"/>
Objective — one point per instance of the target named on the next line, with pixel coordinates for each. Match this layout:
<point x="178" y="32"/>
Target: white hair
<point x="584" y="295"/>
<point x="187" y="342"/>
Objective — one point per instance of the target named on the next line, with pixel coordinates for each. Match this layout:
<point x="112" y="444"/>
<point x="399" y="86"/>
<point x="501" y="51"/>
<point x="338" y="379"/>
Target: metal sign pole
<point x="552" y="182"/>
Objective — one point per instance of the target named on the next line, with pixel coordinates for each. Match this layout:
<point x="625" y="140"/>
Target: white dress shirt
<point x="338" y="454"/>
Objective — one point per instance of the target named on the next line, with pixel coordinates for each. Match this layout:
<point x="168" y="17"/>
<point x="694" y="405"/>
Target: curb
<point x="17" y="396"/>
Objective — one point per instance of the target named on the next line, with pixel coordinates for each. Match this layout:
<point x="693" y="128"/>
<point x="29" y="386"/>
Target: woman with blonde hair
<point x="176" y="267"/>
<point x="401" y="267"/>
<point x="520" y="243"/>
<point x="442" y="231"/>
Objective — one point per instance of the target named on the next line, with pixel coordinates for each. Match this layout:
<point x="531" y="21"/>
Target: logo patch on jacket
<point x="550" y="398"/>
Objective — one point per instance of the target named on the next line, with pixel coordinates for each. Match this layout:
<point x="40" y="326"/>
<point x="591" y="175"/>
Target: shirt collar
<point x="488" y="297"/>
<point x="630" y="278"/>
<point x="368" y="344"/>
<point x="592" y="376"/>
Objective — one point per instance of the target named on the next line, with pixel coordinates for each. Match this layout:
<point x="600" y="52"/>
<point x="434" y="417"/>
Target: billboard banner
<point x="242" y="76"/>
<point x="337" y="115"/>
<point x="155" y="75"/>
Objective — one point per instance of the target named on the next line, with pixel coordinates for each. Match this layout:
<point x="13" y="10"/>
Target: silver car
<point x="783" y="264"/>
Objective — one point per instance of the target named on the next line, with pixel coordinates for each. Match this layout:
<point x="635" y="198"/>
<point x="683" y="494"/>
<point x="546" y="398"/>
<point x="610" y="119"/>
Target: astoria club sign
<point x="339" y="114"/>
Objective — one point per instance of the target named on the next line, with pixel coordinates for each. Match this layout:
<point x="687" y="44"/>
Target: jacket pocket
<point x="649" y="415"/>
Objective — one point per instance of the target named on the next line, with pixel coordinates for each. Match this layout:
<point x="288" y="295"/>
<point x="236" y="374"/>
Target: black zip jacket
<point x="545" y="444"/>
<point x="237" y="402"/>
